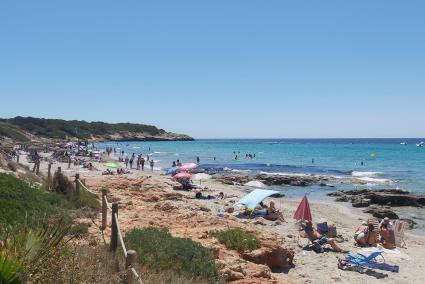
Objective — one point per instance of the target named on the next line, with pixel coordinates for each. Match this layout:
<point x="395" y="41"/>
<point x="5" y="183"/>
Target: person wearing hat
<point x="386" y="234"/>
<point x="385" y="224"/>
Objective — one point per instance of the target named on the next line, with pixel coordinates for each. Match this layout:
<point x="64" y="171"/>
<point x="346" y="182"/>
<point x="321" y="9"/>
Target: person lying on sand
<point x="107" y="172"/>
<point x="317" y="239"/>
<point x="273" y="214"/>
<point x="199" y="195"/>
<point x="361" y="234"/>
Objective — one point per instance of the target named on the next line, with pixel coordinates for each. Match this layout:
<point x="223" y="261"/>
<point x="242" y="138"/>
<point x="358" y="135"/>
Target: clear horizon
<point x="220" y="68"/>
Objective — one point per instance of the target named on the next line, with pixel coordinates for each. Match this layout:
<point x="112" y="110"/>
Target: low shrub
<point x="159" y="251"/>
<point x="13" y="166"/>
<point x="79" y="230"/>
<point x="238" y="239"/>
<point x="61" y="184"/>
<point x="88" y="199"/>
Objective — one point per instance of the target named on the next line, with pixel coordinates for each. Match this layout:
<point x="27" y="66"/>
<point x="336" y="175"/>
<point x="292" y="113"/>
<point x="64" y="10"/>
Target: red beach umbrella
<point x="182" y="175"/>
<point x="189" y="166"/>
<point x="303" y="211"/>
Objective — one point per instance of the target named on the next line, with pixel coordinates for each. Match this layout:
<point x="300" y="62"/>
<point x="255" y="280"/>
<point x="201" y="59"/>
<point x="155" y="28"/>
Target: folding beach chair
<point x="362" y="260"/>
<point x="371" y="261"/>
<point x="399" y="228"/>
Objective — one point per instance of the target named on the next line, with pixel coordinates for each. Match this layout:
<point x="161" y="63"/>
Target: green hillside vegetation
<point x="157" y="249"/>
<point x="20" y="203"/>
<point x="12" y="131"/>
<point x="58" y="128"/>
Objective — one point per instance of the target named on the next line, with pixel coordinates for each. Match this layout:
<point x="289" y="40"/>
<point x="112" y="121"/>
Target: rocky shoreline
<point x="272" y="179"/>
<point x="382" y="202"/>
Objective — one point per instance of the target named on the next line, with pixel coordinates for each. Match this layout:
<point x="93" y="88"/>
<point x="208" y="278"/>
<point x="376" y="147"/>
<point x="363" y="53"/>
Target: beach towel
<point x="399" y="228"/>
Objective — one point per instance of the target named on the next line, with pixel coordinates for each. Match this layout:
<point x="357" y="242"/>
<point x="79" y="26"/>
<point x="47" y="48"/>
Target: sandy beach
<point x="148" y="199"/>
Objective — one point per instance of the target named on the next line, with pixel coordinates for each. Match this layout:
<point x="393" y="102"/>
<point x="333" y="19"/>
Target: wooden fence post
<point x="77" y="185"/>
<point x="114" y="231"/>
<point x="104" y="210"/>
<point x="49" y="174"/>
<point x="129" y="263"/>
<point x="37" y="171"/>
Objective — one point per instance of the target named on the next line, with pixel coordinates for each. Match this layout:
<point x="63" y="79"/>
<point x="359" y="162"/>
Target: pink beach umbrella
<point x="189" y="166"/>
<point x="303" y="211"/>
<point x="182" y="175"/>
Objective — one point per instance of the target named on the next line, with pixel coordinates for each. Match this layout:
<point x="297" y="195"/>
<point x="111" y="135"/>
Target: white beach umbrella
<point x="255" y="183"/>
<point x="201" y="177"/>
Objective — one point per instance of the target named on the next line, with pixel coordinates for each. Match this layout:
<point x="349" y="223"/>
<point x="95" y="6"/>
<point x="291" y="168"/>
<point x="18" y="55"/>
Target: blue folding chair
<point x="371" y="261"/>
<point x="362" y="260"/>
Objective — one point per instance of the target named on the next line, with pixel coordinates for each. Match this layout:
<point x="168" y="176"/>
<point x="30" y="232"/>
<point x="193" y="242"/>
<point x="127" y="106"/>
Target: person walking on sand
<point x="142" y="163"/>
<point x="131" y="163"/>
<point x="126" y="162"/>
<point x="138" y="162"/>
<point x="151" y="163"/>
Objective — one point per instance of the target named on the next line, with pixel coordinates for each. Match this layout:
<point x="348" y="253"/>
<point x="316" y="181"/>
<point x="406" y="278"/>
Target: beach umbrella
<point x="189" y="166"/>
<point x="303" y="211"/>
<point x="112" y="165"/>
<point x="201" y="176"/>
<point x="252" y="199"/>
<point x="255" y="183"/>
<point x="182" y="175"/>
<point x="172" y="170"/>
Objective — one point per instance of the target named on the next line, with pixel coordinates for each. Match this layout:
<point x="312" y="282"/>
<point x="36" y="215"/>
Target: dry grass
<point x="83" y="264"/>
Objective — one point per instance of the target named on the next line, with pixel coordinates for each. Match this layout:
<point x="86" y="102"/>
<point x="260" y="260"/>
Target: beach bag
<point x="322" y="227"/>
<point x="317" y="247"/>
<point x="332" y="233"/>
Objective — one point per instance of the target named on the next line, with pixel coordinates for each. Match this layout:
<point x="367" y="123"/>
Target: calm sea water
<point x="386" y="163"/>
<point x="380" y="163"/>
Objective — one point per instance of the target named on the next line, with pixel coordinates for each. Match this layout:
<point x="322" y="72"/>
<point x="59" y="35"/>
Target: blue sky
<point x="221" y="68"/>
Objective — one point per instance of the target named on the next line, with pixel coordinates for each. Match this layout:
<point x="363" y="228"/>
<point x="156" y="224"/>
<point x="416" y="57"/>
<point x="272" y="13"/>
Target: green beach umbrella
<point x="111" y="165"/>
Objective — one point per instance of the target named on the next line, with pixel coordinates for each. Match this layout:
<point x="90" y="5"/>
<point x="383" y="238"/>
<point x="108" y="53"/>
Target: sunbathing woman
<point x="361" y="234"/>
<point x="315" y="236"/>
<point x="273" y="214"/>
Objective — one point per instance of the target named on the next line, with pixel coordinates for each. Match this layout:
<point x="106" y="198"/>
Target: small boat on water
<point x="420" y="144"/>
<point x="403" y="143"/>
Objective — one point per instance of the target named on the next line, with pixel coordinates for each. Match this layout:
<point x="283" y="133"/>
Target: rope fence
<point x="132" y="277"/>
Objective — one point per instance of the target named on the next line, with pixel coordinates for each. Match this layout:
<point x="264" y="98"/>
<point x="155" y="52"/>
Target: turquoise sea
<point x="378" y="163"/>
<point x="381" y="163"/>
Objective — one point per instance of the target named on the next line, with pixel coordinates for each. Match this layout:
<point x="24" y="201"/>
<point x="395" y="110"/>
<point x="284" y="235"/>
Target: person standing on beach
<point x="142" y="163"/>
<point x="131" y="163"/>
<point x="198" y="160"/>
<point x="151" y="163"/>
<point x="174" y="164"/>
<point x="126" y="162"/>
<point x="138" y="162"/>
